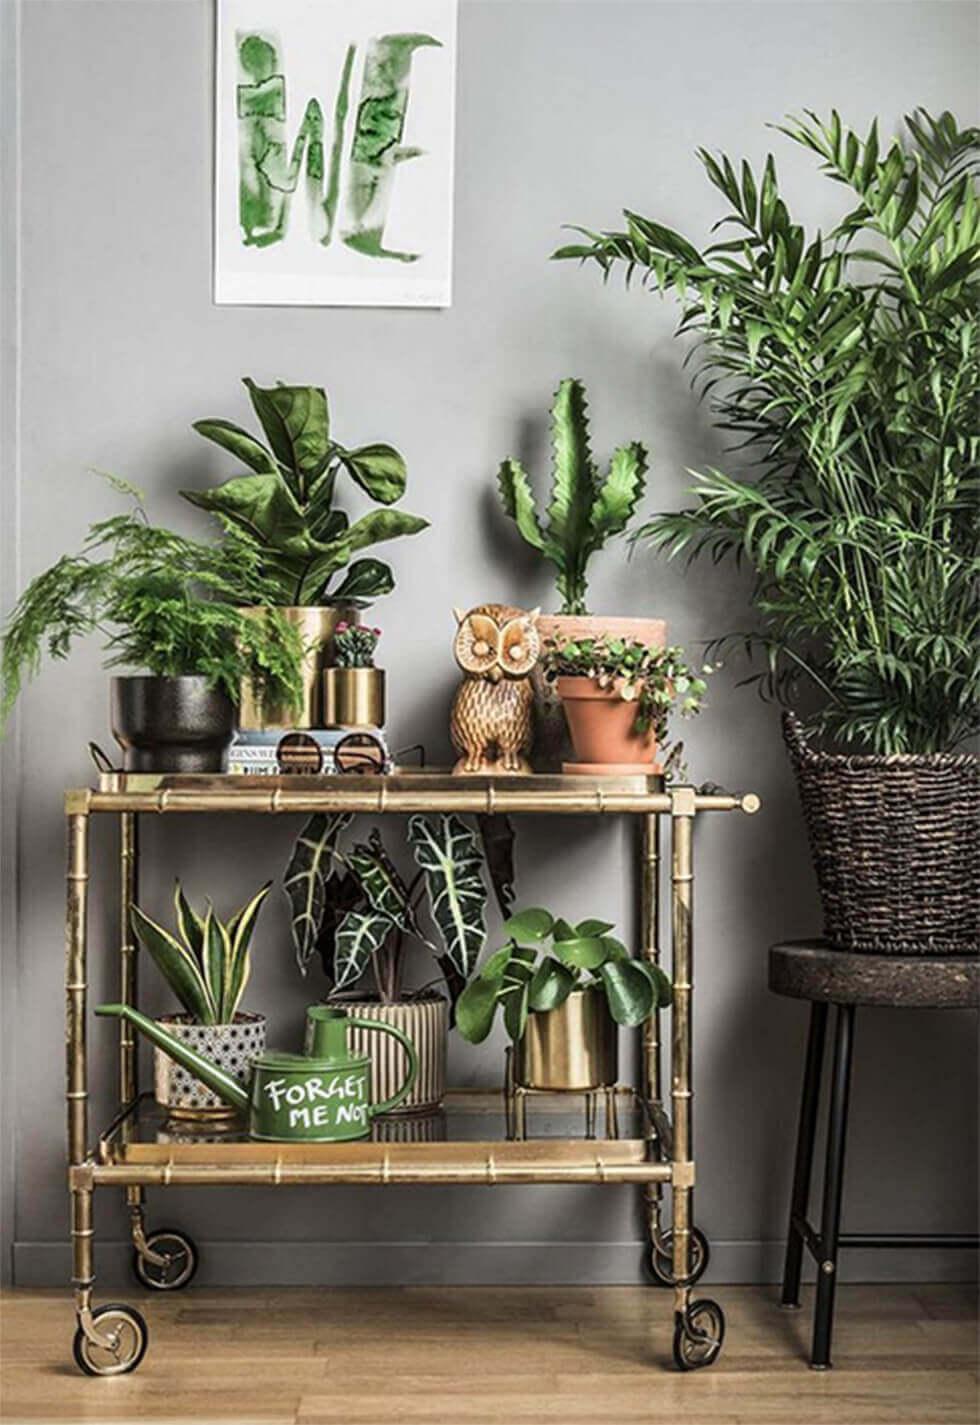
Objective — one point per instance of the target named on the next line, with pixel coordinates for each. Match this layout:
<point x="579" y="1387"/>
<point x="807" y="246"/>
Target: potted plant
<point x="586" y="509"/>
<point x="617" y="695"/>
<point x="848" y="361"/>
<point x="353" y="907"/>
<point x="170" y="606"/>
<point x="283" y="510"/>
<point x="353" y="689"/>
<point x="206" y="964"/>
<point x="563" y="988"/>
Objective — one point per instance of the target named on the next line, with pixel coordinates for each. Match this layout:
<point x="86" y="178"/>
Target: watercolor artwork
<point x="334" y="152"/>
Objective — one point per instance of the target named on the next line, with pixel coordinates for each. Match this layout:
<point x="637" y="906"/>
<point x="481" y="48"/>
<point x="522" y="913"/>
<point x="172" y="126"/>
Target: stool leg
<point x="802" y="1172"/>
<point x="823" y="1321"/>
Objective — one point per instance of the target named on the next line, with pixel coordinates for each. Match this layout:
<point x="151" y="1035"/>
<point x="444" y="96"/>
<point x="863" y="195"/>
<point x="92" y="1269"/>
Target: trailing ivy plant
<point x="848" y="364"/>
<point x="544" y="959"/>
<point x="207" y="962"/>
<point x="283" y="508"/>
<point x="161" y="603"/>
<point x="352" y="906"/>
<point x="586" y="508"/>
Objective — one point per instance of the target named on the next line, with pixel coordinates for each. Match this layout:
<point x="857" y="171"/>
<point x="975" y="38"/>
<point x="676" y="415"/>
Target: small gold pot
<point x="316" y="627"/>
<point x="572" y="1047"/>
<point x="354" y="697"/>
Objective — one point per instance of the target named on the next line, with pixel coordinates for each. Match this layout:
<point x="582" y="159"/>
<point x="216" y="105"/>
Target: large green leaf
<point x="365" y="579"/>
<point x="305" y="880"/>
<point x="177" y="965"/>
<point x="476" y="1007"/>
<point x="533" y="923"/>
<point x="262" y="506"/>
<point x="360" y="936"/>
<point x="629" y="991"/>
<point x="518" y="501"/>
<point x="380" y="525"/>
<point x="378" y="469"/>
<point x="380" y="880"/>
<point x="250" y="452"/>
<point x="551" y="984"/>
<point x="240" y="929"/>
<point x="296" y="420"/>
<point x="448" y="852"/>
<point x="585" y="952"/>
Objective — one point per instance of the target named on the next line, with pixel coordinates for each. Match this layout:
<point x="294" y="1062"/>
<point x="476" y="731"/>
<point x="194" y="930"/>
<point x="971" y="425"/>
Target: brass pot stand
<point x="112" y="1339"/>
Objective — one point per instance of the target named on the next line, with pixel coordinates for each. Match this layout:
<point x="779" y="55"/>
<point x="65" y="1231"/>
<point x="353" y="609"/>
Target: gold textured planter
<point x="316" y="626"/>
<point x="426" y="1022"/>
<point x="572" y="1047"/>
<point x="354" y="697"/>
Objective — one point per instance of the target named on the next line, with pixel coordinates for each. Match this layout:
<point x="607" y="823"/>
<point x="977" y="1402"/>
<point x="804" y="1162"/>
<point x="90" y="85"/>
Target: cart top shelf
<point x="402" y="792"/>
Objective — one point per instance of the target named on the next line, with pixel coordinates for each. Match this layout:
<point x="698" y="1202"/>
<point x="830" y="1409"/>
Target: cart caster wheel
<point x="659" y="1261"/>
<point x="127" y="1335"/>
<point x="179" y="1268"/>
<point x="698" y="1335"/>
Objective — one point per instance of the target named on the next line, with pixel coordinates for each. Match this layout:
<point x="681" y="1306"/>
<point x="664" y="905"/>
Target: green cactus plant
<point x="586" y="508"/>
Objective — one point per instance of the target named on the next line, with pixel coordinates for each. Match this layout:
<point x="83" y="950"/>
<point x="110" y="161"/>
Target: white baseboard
<point x="476" y="1263"/>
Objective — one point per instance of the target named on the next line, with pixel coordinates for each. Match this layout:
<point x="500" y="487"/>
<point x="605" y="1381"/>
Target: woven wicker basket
<point x="896" y="847"/>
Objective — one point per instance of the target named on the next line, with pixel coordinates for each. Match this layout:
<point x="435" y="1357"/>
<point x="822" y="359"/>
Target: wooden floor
<point x="471" y="1356"/>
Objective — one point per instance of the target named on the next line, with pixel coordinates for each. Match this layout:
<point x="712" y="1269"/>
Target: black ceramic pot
<point x="171" y="724"/>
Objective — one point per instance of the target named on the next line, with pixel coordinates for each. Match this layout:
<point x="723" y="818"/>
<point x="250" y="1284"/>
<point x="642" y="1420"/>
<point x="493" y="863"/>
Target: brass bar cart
<point x="136" y="1151"/>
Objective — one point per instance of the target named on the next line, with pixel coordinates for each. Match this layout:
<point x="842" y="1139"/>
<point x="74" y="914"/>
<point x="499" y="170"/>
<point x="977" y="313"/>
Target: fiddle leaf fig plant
<point x="207" y="963"/>
<point x="848" y="363"/>
<point x="586" y="507"/>
<point x="352" y="906"/>
<point x="546" y="958"/>
<point x="284" y="506"/>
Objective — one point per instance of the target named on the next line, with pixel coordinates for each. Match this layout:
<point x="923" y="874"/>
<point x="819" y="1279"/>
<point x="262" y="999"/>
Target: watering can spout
<point x="223" y="1084"/>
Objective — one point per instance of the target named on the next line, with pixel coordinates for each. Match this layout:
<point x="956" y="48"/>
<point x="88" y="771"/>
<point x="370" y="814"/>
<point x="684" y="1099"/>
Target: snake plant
<point x="586" y="507"/>
<point x="544" y="959"/>
<point x="206" y="963"/>
<point x="352" y="906"/>
<point x="284" y="506"/>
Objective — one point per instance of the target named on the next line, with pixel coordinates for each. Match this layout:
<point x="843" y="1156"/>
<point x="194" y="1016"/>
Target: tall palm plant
<point x="847" y="365"/>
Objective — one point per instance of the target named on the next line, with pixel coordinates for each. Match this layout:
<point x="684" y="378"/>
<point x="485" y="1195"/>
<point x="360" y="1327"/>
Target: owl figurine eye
<point x="477" y="646"/>
<point x="520" y="645"/>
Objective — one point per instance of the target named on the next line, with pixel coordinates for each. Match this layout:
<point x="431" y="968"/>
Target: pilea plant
<point x="207" y="962"/>
<point x="352" y="906"/>
<point x="848" y="362"/>
<point x="586" y="508"/>
<point x="284" y="507"/>
<point x="163" y="604"/>
<point x="354" y="645"/>
<point x="544" y="959"/>
<point x="658" y="680"/>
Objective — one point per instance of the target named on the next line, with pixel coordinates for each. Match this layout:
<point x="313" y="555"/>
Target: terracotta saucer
<point x="612" y="769"/>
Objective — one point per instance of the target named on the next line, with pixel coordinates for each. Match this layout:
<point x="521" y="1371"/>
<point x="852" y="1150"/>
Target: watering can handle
<point x="413" y="1062"/>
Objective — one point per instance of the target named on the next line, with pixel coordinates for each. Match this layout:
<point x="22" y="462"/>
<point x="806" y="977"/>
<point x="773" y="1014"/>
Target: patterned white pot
<point x="231" y="1046"/>
<point x="426" y="1022"/>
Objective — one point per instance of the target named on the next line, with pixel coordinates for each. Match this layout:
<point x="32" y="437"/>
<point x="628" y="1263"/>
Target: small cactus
<point x="586" y="508"/>
<point x="354" y="645"/>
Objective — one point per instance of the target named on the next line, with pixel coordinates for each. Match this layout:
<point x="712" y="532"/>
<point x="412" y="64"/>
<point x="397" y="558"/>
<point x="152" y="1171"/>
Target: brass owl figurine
<point x="491" y="725"/>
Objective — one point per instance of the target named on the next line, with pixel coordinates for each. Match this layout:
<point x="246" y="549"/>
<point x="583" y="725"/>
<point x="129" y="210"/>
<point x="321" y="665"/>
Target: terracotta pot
<point x="316" y="626"/>
<point x="552" y="747"/>
<point x="602" y="725"/>
<point x="426" y="1022"/>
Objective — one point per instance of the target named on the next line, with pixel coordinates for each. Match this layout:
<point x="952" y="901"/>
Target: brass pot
<point x="316" y="626"/>
<point x="572" y="1047"/>
<point x="354" y="697"/>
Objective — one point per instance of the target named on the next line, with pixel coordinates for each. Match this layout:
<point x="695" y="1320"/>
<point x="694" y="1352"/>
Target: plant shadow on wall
<point x="847" y="366"/>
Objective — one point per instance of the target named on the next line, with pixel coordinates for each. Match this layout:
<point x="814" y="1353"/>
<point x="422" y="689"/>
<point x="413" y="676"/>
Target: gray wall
<point x="567" y="112"/>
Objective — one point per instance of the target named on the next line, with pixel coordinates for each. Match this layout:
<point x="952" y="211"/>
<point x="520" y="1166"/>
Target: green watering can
<point x="319" y="1097"/>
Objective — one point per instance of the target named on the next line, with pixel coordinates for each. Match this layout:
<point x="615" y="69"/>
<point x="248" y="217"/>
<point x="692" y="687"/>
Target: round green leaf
<point x="551" y="984"/>
<point x="531" y="924"/>
<point x="586" y="952"/>
<point x="629" y="991"/>
<point x="475" y="1010"/>
<point x="593" y="927"/>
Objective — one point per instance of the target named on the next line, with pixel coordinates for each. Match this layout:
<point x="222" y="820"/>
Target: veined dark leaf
<point x="306" y="877"/>
<point x="383" y="886"/>
<point x="360" y="936"/>
<point x="447" y="850"/>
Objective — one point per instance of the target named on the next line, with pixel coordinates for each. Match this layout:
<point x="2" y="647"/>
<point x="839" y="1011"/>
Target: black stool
<point x="811" y="969"/>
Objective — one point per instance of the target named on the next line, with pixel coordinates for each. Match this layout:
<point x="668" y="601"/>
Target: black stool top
<point x="814" y="970"/>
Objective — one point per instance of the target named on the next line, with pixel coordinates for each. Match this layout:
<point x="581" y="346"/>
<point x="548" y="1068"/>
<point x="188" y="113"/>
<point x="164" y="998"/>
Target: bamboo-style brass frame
<point x="665" y="1155"/>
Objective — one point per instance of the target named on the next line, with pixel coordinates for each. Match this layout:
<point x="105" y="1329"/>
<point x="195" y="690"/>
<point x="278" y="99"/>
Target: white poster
<point x="334" y="152"/>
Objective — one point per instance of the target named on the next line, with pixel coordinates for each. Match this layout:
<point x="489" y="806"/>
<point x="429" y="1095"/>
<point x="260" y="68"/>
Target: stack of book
<point x="309" y="750"/>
